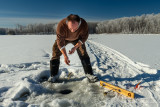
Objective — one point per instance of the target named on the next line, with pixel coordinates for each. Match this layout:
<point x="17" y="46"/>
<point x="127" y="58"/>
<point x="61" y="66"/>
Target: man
<point x="72" y="29"/>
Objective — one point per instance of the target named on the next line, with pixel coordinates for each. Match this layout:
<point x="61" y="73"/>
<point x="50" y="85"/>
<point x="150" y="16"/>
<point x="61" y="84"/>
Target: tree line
<point x="30" y="29"/>
<point x="144" y="24"/>
<point x="39" y="29"/>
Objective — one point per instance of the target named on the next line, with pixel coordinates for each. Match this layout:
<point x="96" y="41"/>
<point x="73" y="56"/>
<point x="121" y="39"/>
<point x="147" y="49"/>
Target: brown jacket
<point x="63" y="33"/>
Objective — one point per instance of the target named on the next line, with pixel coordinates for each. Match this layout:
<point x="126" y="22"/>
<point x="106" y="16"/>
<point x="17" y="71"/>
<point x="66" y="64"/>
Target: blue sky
<point x="45" y="11"/>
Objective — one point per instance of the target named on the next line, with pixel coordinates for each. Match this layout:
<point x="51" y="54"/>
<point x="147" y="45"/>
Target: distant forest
<point x="144" y="24"/>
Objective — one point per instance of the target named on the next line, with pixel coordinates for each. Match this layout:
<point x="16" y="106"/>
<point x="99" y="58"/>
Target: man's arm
<point x="63" y="51"/>
<point x="79" y="43"/>
<point x="84" y="33"/>
<point x="66" y="59"/>
<point x="61" y="46"/>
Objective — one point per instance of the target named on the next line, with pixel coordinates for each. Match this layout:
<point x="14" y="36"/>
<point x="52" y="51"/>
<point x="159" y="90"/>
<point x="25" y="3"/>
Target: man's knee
<point x="85" y="56"/>
<point x="82" y="51"/>
<point x="56" y="53"/>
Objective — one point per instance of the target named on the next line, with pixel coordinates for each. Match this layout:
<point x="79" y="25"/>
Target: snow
<point x="24" y="69"/>
<point x="23" y="49"/>
<point x="138" y="47"/>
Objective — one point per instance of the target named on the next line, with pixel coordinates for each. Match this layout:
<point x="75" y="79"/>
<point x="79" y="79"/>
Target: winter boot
<point x="53" y="79"/>
<point x="92" y="78"/>
<point x="54" y="67"/>
<point x="88" y="69"/>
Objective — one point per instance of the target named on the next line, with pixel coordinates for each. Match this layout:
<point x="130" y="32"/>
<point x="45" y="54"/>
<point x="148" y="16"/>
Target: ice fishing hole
<point x="66" y="91"/>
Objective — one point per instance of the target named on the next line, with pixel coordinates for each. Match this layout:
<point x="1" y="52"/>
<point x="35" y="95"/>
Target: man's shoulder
<point x="62" y="22"/>
<point x="83" y="21"/>
<point x="84" y="24"/>
<point x="61" y="25"/>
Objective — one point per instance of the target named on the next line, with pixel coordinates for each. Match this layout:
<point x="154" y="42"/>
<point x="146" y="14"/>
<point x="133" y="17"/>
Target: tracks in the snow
<point x="110" y="60"/>
<point x="103" y="58"/>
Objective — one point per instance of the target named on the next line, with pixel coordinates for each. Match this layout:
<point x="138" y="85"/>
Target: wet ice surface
<point x="83" y="93"/>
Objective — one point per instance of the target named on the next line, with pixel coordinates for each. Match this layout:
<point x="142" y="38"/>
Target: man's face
<point x="73" y="25"/>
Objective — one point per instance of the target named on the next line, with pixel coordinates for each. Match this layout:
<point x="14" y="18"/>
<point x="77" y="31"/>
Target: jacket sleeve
<point x="60" y="37"/>
<point x="60" y="41"/>
<point x="84" y="35"/>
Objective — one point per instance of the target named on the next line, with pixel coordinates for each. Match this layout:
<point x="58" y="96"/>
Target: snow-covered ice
<point x="24" y="69"/>
<point x="138" y="47"/>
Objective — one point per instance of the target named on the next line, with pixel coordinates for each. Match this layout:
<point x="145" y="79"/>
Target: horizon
<point x="39" y="11"/>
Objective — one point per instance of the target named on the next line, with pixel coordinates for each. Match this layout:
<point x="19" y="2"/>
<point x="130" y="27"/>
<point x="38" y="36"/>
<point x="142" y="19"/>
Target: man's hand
<point x="66" y="60"/>
<point x="75" y="47"/>
<point x="72" y="50"/>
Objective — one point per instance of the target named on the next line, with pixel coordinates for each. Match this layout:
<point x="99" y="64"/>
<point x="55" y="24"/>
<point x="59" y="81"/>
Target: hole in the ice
<point x="66" y="91"/>
<point x="23" y="96"/>
<point x="43" y="78"/>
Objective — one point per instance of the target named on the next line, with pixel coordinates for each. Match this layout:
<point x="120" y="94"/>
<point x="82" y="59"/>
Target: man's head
<point x="73" y="22"/>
